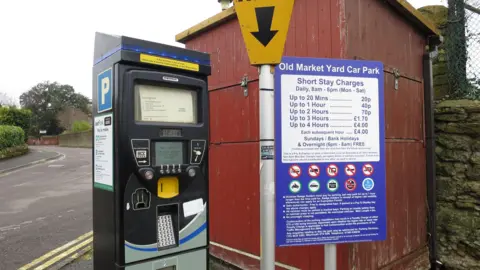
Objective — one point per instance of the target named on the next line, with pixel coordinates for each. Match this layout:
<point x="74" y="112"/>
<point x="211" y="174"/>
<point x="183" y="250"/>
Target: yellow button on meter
<point x="167" y="187"/>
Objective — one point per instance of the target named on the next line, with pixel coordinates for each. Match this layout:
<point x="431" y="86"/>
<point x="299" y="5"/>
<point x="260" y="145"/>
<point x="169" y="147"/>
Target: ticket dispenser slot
<point x="155" y="213"/>
<point x="141" y="199"/>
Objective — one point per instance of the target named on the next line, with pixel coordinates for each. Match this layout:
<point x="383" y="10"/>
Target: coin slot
<point x="168" y="187"/>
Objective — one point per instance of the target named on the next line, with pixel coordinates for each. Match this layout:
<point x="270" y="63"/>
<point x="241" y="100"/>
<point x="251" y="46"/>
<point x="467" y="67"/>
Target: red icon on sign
<point x="295" y="171"/>
<point x="350" y="170"/>
<point x="367" y="169"/>
<point x="313" y="170"/>
<point x="332" y="170"/>
<point x="350" y="184"/>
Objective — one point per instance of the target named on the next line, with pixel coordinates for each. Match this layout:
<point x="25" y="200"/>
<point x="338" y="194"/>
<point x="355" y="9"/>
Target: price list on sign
<point x="330" y="162"/>
<point x="332" y="114"/>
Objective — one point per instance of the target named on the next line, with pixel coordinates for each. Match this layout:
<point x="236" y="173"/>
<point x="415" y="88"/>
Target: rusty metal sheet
<point x="417" y="260"/>
<point x="406" y="209"/>
<point x="233" y="116"/>
<point x="403" y="109"/>
<point x="338" y="19"/>
<point x="377" y="32"/>
<point x="314" y="29"/>
<point x="234" y="196"/>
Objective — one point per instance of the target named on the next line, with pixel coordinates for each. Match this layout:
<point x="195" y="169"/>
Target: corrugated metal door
<point x="375" y="32"/>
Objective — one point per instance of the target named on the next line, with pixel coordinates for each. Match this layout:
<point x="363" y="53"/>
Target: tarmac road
<point x="44" y="207"/>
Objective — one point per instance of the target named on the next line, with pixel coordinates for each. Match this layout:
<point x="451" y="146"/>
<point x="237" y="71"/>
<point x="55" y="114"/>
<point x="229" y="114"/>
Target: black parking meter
<point x="150" y="155"/>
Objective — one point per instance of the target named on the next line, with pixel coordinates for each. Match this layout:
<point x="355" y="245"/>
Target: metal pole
<point x="267" y="169"/>
<point x="331" y="257"/>
<point x="430" y="155"/>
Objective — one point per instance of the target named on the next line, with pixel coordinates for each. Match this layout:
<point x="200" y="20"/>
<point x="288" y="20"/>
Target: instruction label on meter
<point x="330" y="167"/>
<point x="103" y="152"/>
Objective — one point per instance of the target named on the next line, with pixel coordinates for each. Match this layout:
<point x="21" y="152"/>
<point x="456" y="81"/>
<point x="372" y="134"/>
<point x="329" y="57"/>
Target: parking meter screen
<point x="168" y="153"/>
<point x="155" y="103"/>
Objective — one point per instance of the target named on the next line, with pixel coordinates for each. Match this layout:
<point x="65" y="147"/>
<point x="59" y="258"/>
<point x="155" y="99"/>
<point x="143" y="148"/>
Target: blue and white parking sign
<point x="329" y="151"/>
<point x="104" y="91"/>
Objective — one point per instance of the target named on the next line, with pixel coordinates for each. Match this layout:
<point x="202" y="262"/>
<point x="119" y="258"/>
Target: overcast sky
<point x="53" y="39"/>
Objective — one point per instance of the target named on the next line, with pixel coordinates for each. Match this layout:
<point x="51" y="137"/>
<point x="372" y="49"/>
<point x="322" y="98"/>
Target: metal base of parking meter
<point x="267" y="169"/>
<point x="330" y="257"/>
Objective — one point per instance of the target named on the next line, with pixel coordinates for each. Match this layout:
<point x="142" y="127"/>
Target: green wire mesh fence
<point x="459" y="57"/>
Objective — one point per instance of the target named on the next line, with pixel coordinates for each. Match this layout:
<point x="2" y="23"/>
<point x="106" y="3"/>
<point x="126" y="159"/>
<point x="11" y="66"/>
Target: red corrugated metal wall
<point x="319" y="28"/>
<point x="377" y="32"/>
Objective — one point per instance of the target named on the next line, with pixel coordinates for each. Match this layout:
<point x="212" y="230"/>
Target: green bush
<point x="11" y="136"/>
<point x="12" y="116"/>
<point x="13" y="151"/>
<point x="79" y="126"/>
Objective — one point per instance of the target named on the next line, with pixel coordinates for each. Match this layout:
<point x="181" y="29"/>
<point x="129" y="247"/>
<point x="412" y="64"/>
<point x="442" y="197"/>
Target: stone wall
<point x="458" y="183"/>
<point x="79" y="139"/>
<point x="457" y="125"/>
<point x="44" y="140"/>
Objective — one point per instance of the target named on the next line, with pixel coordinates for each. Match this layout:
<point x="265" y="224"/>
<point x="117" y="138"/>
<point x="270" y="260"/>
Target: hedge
<point x="11" y="136"/>
<point x="78" y="127"/>
<point x="12" y="116"/>
<point x="13" y="151"/>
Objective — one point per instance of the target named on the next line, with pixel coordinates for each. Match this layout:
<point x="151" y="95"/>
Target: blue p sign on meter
<point x="104" y="91"/>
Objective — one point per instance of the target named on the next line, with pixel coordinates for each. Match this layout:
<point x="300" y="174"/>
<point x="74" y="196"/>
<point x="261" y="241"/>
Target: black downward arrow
<point x="264" y="21"/>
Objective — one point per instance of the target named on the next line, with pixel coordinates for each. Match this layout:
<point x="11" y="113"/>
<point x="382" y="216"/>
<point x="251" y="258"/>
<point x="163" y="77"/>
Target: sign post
<point x="330" y="252"/>
<point x="330" y="153"/>
<point x="264" y="25"/>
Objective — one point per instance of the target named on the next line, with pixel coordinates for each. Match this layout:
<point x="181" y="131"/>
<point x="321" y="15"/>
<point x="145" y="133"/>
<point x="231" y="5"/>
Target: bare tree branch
<point x="472" y="8"/>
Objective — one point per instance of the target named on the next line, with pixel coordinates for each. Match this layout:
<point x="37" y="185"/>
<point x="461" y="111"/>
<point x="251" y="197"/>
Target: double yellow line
<point x="70" y="250"/>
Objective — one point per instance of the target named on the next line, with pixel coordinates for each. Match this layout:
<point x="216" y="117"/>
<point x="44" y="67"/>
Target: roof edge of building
<point x="402" y="6"/>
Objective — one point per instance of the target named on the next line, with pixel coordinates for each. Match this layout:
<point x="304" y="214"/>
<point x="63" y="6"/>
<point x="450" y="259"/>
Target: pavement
<point x="46" y="210"/>
<point x="82" y="263"/>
